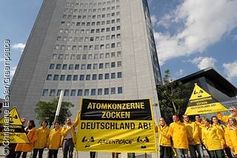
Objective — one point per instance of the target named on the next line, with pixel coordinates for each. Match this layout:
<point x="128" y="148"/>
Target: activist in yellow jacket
<point x="55" y="137"/>
<point x="32" y="136"/>
<point x="231" y="135"/>
<point x="71" y="128"/>
<point x="178" y="132"/>
<point x="42" y="134"/>
<point x="212" y="137"/>
<point x="193" y="133"/>
<point x="163" y="136"/>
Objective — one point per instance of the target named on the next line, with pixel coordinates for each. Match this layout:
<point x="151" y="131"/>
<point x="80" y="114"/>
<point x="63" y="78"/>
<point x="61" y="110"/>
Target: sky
<point x="190" y="34"/>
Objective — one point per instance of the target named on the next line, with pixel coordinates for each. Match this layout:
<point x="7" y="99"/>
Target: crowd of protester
<point x="213" y="138"/>
<point x="43" y="137"/>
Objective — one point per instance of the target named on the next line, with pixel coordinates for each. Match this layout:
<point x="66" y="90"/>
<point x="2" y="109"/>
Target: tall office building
<point x="100" y="49"/>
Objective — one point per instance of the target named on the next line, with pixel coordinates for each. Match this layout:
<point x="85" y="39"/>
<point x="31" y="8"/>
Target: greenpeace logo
<point x="115" y="141"/>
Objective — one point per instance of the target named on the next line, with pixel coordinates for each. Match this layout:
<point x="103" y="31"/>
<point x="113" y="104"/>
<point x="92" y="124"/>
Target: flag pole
<point x="59" y="105"/>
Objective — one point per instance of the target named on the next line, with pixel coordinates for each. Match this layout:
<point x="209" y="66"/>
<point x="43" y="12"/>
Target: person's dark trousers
<point x="36" y="151"/>
<point x="12" y="152"/>
<point x="165" y="152"/>
<point x="18" y="154"/>
<point x="228" y="152"/>
<point x="68" y="147"/>
<point x="53" y="153"/>
<point x="182" y="153"/>
<point x="92" y="154"/>
<point x="217" y="154"/>
<point x="196" y="151"/>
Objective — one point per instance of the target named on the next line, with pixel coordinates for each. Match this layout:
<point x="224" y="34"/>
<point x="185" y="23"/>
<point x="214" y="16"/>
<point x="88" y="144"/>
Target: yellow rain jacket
<point x="213" y="138"/>
<point x="42" y="134"/>
<point x="178" y="132"/>
<point x="231" y="138"/>
<point x="32" y="136"/>
<point x="223" y="118"/>
<point x="71" y="129"/>
<point x="163" y="137"/>
<point x="54" y="140"/>
<point x="193" y="133"/>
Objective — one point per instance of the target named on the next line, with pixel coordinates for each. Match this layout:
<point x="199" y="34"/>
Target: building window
<point x="66" y="92"/>
<point x="112" y="75"/>
<point x="58" y="66"/>
<point x="64" y="67"/>
<point x="79" y="92"/>
<point x="112" y="64"/>
<point x="83" y="66"/>
<point x="75" y="77"/>
<point x="100" y="91"/>
<point x="88" y="66"/>
<point x="86" y="92"/>
<point x="94" y="76"/>
<point x="120" y="90"/>
<point x="52" y="92"/>
<point x="70" y="67"/>
<point x="113" y="90"/>
<point x="107" y="65"/>
<point x="73" y="92"/>
<point x="45" y="92"/>
<point x="77" y="67"/>
<point x="101" y="66"/>
<point x="88" y="77"/>
<point x="100" y="76"/>
<point x="69" y="77"/>
<point x="82" y="77"/>
<point x="119" y="74"/>
<point x="106" y="91"/>
<point x="107" y="76"/>
<point x="62" y="77"/>
<point x="55" y="77"/>
<point x="93" y="91"/>
<point x="95" y="66"/>
<point x="51" y="66"/>
<point x="49" y="77"/>
<point x="119" y="63"/>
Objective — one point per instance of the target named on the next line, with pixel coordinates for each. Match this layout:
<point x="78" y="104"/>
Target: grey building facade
<point x="101" y="49"/>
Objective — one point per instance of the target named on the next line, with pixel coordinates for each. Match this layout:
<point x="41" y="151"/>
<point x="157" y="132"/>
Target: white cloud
<point x="204" y="62"/>
<point x="203" y="22"/>
<point x="231" y="70"/>
<point x="19" y="46"/>
<point x="12" y="71"/>
<point x="154" y="20"/>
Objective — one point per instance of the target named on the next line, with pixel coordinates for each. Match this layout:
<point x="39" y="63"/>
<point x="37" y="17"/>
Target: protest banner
<point x="116" y="126"/>
<point x="202" y="102"/>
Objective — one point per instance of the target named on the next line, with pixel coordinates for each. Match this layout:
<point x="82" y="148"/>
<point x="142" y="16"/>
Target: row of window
<point x="86" y="56"/>
<point x="85" y="66"/>
<point x="91" y="4"/>
<point x="85" y="92"/>
<point x="98" y="16"/>
<point x="88" y="47"/>
<point x="72" y="23"/>
<point x="88" y="77"/>
<point x="89" y="39"/>
<point x="89" y="10"/>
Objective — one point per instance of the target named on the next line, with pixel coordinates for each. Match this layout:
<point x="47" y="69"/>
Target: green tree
<point x="173" y="97"/>
<point x="46" y="111"/>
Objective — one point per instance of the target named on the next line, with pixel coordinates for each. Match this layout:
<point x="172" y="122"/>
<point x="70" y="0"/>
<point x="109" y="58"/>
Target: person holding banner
<point x="213" y="140"/>
<point x="32" y="136"/>
<point x="40" y="144"/>
<point x="233" y="113"/>
<point x="54" y="140"/>
<point x="178" y="132"/>
<point x="231" y="134"/>
<point x="164" y="139"/>
<point x="194" y="138"/>
<point x="69" y="137"/>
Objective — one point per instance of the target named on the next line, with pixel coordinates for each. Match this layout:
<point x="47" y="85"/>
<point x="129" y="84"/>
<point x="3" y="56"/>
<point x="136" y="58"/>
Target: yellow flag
<point x="202" y="102"/>
<point x="11" y="128"/>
